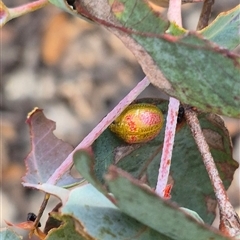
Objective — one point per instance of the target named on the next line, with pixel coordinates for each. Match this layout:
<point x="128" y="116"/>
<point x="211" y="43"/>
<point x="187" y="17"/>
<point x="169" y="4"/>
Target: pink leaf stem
<point x="174" y="15"/>
<point x="29" y="7"/>
<point x="97" y="131"/>
<point x="167" y="146"/>
<point x="174" y="12"/>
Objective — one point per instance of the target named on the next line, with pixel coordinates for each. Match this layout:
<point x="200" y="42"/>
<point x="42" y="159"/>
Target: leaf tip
<point x="30" y="114"/>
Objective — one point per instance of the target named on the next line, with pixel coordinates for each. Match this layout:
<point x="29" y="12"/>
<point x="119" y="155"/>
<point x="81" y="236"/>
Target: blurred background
<point x="77" y="72"/>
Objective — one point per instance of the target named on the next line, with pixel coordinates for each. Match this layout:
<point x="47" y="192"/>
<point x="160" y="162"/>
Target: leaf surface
<point x="191" y="185"/>
<point x="144" y="205"/>
<point x="202" y="74"/>
<point x="48" y="152"/>
<point x="68" y="230"/>
<point x="8" y="234"/>
<point x="95" y="217"/>
<point x="224" y="30"/>
<point x="141" y="203"/>
<point x="187" y="67"/>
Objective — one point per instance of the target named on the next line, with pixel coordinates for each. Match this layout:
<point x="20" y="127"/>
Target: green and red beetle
<point x="138" y="123"/>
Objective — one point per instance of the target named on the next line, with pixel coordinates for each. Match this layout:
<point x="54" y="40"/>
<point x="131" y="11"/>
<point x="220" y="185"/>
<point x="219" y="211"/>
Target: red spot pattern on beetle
<point x="132" y="139"/>
<point x="150" y="118"/>
<point x="130" y="122"/>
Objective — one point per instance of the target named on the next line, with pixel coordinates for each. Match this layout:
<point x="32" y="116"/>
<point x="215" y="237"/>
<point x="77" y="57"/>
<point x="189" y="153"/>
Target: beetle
<point x="180" y="114"/>
<point x="32" y="217"/>
<point x="138" y="123"/>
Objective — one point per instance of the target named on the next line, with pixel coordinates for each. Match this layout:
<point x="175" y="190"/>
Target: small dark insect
<point x="32" y="217"/>
<point x="72" y="4"/>
<point x="180" y="114"/>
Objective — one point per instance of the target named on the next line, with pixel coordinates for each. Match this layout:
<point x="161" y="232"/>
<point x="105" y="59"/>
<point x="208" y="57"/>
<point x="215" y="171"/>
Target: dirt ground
<point x="77" y="72"/>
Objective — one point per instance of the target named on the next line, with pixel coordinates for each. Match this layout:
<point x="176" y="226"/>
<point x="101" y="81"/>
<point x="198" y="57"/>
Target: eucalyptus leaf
<point x="140" y="202"/>
<point x="224" y="30"/>
<point x="191" y="185"/>
<point x="96" y="217"/>
<point x="8" y="234"/>
<point x="68" y="230"/>
<point x="144" y="205"/>
<point x="202" y="74"/>
<point x="187" y="67"/>
<point x="47" y="153"/>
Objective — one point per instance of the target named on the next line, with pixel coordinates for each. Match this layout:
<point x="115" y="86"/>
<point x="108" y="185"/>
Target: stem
<point x="174" y="15"/>
<point x="40" y="212"/>
<point x="174" y="12"/>
<point x="27" y="8"/>
<point x="230" y="223"/>
<point x="167" y="147"/>
<point x="229" y="220"/>
<point x="192" y="1"/>
<point x="205" y="14"/>
<point x="98" y="130"/>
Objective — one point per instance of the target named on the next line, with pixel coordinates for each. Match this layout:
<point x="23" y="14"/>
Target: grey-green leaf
<point x="68" y="230"/>
<point x="201" y="74"/>
<point x="187" y="67"/>
<point x="99" y="218"/>
<point x="191" y="185"/>
<point x="144" y="205"/>
<point x="8" y="234"/>
<point x="224" y="30"/>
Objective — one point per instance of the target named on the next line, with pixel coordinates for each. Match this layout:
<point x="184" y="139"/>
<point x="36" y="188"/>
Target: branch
<point x="40" y="213"/>
<point x="205" y="14"/>
<point x="229" y="220"/>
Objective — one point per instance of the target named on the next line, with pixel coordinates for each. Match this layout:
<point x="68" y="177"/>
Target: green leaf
<point x="201" y="74"/>
<point x="187" y="67"/>
<point x="143" y="204"/>
<point x="145" y="214"/>
<point x="191" y="185"/>
<point x="8" y="234"/>
<point x="224" y="30"/>
<point x="137" y="13"/>
<point x="192" y="213"/>
<point x="96" y="217"/>
<point x="68" y="230"/>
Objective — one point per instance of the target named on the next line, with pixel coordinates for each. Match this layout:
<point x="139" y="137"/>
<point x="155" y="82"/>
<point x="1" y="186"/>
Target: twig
<point x="165" y="3"/>
<point x="205" y="14"/>
<point x="230" y="223"/>
<point x="167" y="148"/>
<point x="27" y="8"/>
<point x="174" y="12"/>
<point x="192" y="1"/>
<point x="229" y="220"/>
<point x="174" y="15"/>
<point x="10" y="13"/>
<point x="40" y="212"/>
<point x="98" y="130"/>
